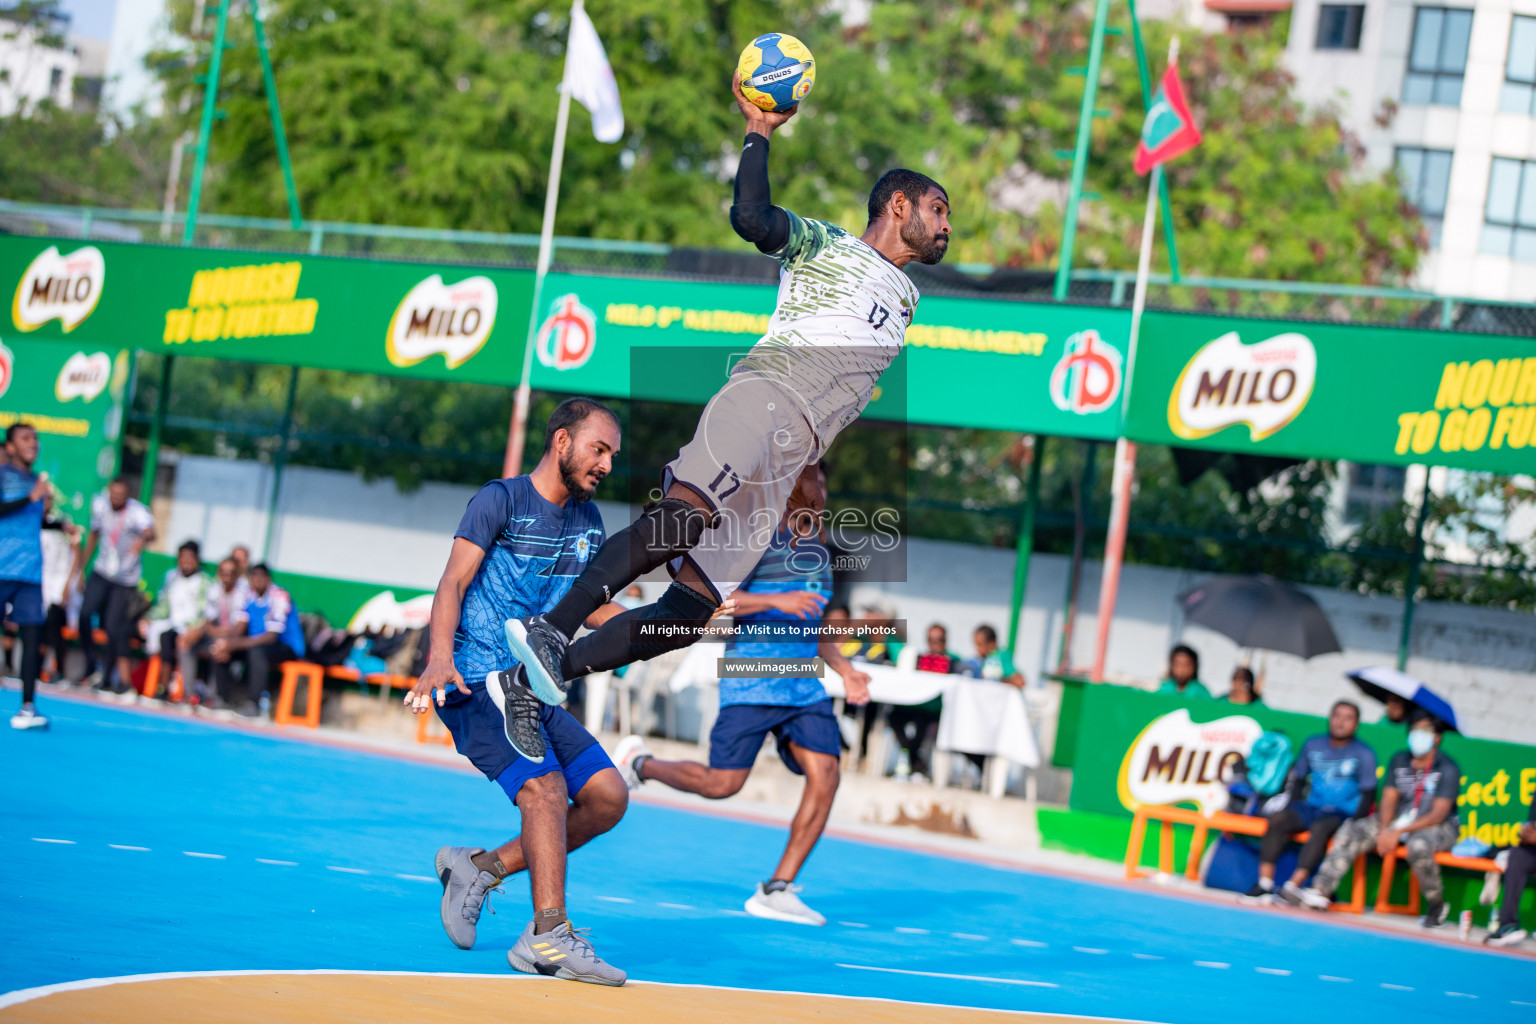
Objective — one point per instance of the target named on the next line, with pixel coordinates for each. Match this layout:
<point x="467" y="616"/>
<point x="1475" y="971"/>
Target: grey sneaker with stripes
<point x="563" y="952"/>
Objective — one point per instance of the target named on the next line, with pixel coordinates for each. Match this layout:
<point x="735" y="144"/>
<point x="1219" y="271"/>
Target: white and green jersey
<point x="841" y="318"/>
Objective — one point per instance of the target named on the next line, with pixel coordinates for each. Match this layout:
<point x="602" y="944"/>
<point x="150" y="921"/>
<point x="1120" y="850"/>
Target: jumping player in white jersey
<point x="842" y="315"/>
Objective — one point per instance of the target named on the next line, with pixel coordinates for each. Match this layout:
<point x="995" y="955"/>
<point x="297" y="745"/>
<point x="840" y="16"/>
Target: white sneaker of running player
<point x="629" y="748"/>
<point x="28" y="718"/>
<point x="782" y="905"/>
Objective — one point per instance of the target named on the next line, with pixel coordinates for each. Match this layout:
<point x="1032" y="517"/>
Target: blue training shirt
<point x="534" y="550"/>
<point x="782" y="570"/>
<point x="1340" y="776"/>
<point x="21" y="532"/>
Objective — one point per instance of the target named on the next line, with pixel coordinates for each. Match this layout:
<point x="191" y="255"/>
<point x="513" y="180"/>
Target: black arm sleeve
<point x="754" y="216"/>
<point x="7" y="507"/>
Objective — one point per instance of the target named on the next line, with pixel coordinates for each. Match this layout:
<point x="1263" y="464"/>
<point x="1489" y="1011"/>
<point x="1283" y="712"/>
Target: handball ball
<point x="777" y="71"/>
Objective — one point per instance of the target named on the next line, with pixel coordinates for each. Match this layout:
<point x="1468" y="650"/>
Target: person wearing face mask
<point x="1418" y="809"/>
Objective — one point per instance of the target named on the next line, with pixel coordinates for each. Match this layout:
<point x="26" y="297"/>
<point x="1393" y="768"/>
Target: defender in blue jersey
<point x="519" y="546"/>
<point x="21" y="559"/>
<point x="786" y="592"/>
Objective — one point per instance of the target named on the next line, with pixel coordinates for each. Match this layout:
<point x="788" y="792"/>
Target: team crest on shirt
<point x="583" y="549"/>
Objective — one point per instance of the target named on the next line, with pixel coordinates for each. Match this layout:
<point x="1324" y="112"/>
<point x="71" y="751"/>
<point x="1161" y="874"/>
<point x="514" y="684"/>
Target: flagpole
<point x="1125" y="449"/>
<point x="517" y="435"/>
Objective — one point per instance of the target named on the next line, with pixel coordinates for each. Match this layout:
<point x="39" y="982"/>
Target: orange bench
<point x="314" y="676"/>
<point x="1221" y="821"/>
<point x="1384" y="904"/>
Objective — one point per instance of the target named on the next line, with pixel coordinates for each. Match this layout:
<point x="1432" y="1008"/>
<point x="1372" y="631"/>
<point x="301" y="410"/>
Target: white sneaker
<point x="1311" y="897"/>
<point x="783" y="905"/>
<point x="629" y="748"/>
<point x="28" y="718"/>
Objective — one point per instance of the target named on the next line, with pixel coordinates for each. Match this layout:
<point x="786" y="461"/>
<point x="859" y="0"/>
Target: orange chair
<point x="1384" y="904"/>
<point x="1222" y="821"/>
<point x="314" y="679"/>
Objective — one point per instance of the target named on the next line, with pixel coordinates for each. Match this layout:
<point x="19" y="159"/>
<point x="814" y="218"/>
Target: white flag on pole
<point x="590" y="78"/>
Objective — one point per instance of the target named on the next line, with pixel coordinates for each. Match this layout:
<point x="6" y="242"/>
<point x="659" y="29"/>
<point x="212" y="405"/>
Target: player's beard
<point x="930" y="248"/>
<point x="572" y="478"/>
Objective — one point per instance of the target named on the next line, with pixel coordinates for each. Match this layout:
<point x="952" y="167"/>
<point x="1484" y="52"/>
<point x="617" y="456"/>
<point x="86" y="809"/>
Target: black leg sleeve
<point x="668" y="528"/>
<point x="625" y="638"/>
<point x="31" y="659"/>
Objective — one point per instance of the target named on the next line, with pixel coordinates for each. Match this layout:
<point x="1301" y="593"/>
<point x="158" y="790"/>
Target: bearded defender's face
<point x="589" y="456"/>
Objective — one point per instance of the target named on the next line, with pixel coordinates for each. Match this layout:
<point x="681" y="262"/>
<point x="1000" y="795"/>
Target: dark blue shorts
<point x="479" y="733"/>
<point x="741" y="728"/>
<point x="21" y="602"/>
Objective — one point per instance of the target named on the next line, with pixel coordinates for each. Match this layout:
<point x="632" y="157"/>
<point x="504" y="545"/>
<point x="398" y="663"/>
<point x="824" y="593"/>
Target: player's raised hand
<point x="759" y="120"/>
<point x="434" y="681"/>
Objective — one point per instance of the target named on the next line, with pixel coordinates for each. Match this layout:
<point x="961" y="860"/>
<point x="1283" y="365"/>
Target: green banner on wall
<point x="1324" y="391"/>
<point x="73" y="395"/>
<point x="970" y="362"/>
<point x="1127" y="747"/>
<point x="364" y="316"/>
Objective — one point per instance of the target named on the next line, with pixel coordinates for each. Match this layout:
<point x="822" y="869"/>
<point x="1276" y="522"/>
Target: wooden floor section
<point x="429" y="999"/>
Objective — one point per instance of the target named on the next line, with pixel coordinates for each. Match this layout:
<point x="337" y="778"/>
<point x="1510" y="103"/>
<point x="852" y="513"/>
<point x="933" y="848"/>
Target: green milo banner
<point x="1128" y="747"/>
<point x="969" y="362"/>
<point x="1325" y="391"/>
<point x="73" y="395"/>
<point x="400" y="319"/>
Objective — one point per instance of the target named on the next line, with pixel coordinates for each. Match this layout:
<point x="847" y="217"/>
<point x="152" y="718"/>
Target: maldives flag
<point x="1169" y="129"/>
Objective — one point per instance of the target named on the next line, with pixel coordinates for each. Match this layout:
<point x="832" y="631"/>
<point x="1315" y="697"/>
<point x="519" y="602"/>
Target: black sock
<point x="775" y="885"/>
<point x="31" y="660"/>
<point x="486" y="860"/>
<point x="548" y="920"/>
<point x="637" y="765"/>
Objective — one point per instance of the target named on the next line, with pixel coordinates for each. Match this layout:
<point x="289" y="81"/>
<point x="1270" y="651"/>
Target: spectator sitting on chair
<point x="991" y="662"/>
<point x="1397" y="710"/>
<point x="223" y="616"/>
<point x="179" y="607"/>
<point x="1183" y="674"/>
<point x="273" y="636"/>
<point x="1418" y="809"/>
<point x="121" y="528"/>
<point x="1334" y="779"/>
<point x="916" y="725"/>
<point x="1244" y="690"/>
<point x="242" y="558"/>
<point x="1517" y="874"/>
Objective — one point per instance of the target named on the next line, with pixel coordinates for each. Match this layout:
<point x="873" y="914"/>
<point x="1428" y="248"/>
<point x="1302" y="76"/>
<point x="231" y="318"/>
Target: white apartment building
<point x="32" y="72"/>
<point x="1445" y="90"/>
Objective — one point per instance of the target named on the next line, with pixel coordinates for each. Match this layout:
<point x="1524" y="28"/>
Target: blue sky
<point x="91" y="18"/>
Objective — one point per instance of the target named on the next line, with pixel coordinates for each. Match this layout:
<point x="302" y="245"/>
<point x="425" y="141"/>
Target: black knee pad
<point x="672" y="527"/>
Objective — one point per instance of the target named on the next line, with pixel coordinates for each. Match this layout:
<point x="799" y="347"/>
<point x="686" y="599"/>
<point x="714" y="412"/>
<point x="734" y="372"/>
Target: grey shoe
<point x="562" y="953"/>
<point x="465" y="888"/>
<point x="782" y="905"/>
<point x="540" y="647"/>
<point x="520" y="711"/>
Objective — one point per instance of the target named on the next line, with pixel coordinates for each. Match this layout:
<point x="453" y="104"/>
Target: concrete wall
<point x="334" y="524"/>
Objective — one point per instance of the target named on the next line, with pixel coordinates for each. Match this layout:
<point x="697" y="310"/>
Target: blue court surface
<point x="138" y="842"/>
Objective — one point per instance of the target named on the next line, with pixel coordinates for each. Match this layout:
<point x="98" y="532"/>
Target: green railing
<point x="1338" y="303"/>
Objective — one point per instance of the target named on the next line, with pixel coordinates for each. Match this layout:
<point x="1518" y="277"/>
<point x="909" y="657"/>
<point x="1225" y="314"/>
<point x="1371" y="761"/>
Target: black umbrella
<point x="1261" y="611"/>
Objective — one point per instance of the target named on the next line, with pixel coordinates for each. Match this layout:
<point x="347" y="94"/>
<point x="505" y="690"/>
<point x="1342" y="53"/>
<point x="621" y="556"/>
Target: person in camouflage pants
<point x="1418" y="810"/>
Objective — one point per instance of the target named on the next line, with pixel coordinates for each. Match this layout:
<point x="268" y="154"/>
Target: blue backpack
<point x="1269" y="762"/>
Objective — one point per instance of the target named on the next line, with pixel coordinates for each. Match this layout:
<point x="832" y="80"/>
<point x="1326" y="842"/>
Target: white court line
<point x="1398" y="988"/>
<point x="853" y="924"/>
<point x="61" y="842"/>
<point x="279" y="863"/>
<point x="677" y="906"/>
<point x="1462" y="995"/>
<point x="968" y="935"/>
<point x="615" y="899"/>
<point x="346" y="871"/>
<point x="1217" y="964"/>
<point x="1279" y="972"/>
<point x="1031" y="943"/>
<point x="1517" y="1002"/>
<point x="954" y="977"/>
<point x="912" y="931"/>
<point x="204" y="856"/>
<point x="1329" y="977"/>
<point x="1154" y="956"/>
<point x="1090" y="949"/>
<point x="417" y="878"/>
<point x="734" y="913"/>
<point x="140" y="849"/>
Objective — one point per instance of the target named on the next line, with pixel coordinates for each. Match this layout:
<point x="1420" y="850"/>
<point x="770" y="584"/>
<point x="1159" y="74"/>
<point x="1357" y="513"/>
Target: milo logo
<point x="1263" y="386"/>
<point x="452" y="319"/>
<point x="59" y="287"/>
